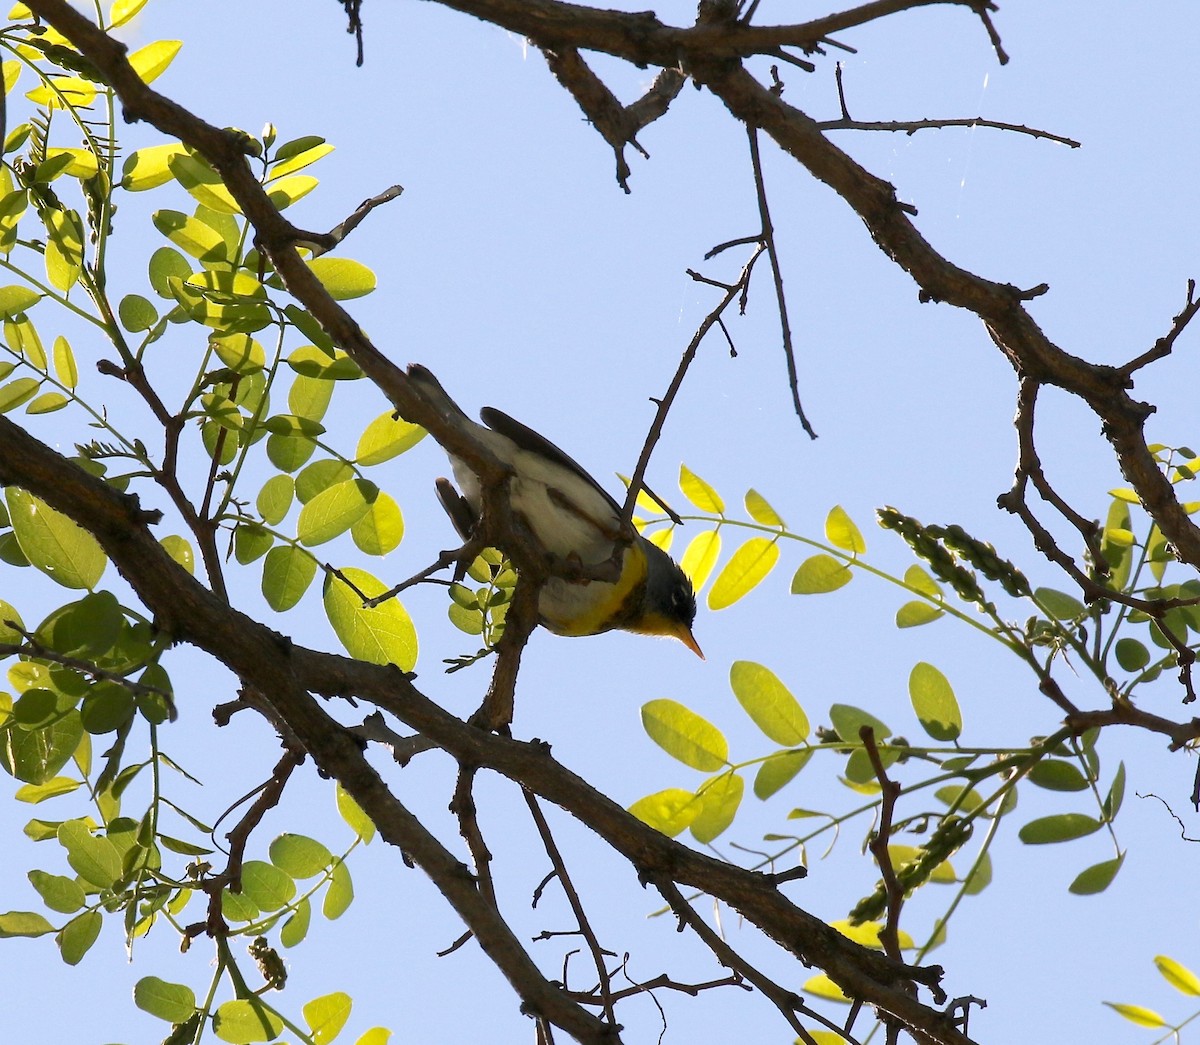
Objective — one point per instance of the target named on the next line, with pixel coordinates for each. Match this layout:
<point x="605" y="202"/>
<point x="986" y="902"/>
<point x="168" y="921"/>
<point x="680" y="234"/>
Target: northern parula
<point x="576" y="521"/>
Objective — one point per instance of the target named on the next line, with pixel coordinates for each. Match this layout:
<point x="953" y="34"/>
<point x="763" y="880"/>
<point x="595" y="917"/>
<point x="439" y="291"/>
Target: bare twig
<point x="768" y="239"/>
<point x="604" y="980"/>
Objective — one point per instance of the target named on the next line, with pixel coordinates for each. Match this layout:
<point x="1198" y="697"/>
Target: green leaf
<point x="180" y="551"/>
<point x="847" y="720"/>
<point x="108" y="707"/>
<point x="669" y="811"/>
<point x="58" y="892"/>
<point x="381" y="529"/>
<point x="374" y="1036"/>
<point x="250" y="542"/>
<point x="746" y="568"/>
<point x="1097" y="878"/>
<point x="980" y="877"/>
<point x="309" y="397"/>
<point x="934" y="702"/>
<point x="53" y="543"/>
<point x="327" y="1015"/>
<point x="819" y="574"/>
<point x="699" y="492"/>
<point x="381" y="634"/>
<point x="173" y="1002"/>
<point x="167" y="264"/>
<point x="320" y="476"/>
<point x="1054" y="774"/>
<point x="386" y="437"/>
<point x="684" y="735"/>
<point x="914" y="614"/>
<point x="1131" y="654"/>
<point x="299" y="856"/>
<point x="23" y="923"/>
<point x="93" y="858"/>
<point x="275" y="498"/>
<point x="1137" y="1014"/>
<point x="761" y="512"/>
<point x="246" y="1020"/>
<point x="75" y="938"/>
<point x="340" y="893"/>
<point x="15" y="299"/>
<point x="333" y="511"/>
<point x="842" y="533"/>
<point x="343" y="277"/>
<point x="1059" y="605"/>
<point x="295" y="929"/>
<point x="719" y="798"/>
<point x="1116" y="794"/>
<point x="701" y="556"/>
<point x="151" y="61"/>
<point x="350" y="811"/>
<point x="1062" y="827"/>
<point x="778" y="770"/>
<point x="193" y="237"/>
<point x="769" y="703"/>
<point x="1178" y="976"/>
<point x="35" y="756"/>
<point x="266" y="886"/>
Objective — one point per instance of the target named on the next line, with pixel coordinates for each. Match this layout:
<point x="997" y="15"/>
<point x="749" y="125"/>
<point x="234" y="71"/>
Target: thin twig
<point x="889" y="935"/>
<point x="604" y="981"/>
<point x="768" y="239"/>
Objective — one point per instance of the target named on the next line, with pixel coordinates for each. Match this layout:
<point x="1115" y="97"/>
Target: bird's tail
<point x="432" y="391"/>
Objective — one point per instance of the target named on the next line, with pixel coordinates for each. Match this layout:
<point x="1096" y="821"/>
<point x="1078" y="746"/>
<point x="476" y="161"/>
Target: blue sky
<point x="515" y="268"/>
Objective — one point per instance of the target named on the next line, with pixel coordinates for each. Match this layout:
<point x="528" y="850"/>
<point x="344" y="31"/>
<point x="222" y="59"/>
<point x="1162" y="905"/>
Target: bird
<point x="576" y="521"/>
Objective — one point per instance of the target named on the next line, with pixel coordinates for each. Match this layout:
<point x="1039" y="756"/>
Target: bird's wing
<point x="530" y="441"/>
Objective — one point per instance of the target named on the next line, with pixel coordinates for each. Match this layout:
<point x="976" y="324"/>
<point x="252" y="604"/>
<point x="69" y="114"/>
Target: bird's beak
<point x="684" y="635"/>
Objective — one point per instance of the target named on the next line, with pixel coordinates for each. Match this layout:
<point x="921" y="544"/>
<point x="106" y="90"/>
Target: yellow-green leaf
<point x="699" y="492"/>
<point x="769" y="703"/>
<point x="760" y="511"/>
<point x="684" y="735"/>
<point x="934" y="702"/>
<point x="819" y="574"/>
<point x="150" y="167"/>
<point x="1137" y="1014"/>
<point x="344" y="278"/>
<point x="327" y="1015"/>
<point x="151" y="61"/>
<point x="15" y="299"/>
<point x="747" y="567"/>
<point x="83" y="162"/>
<point x="64" y="362"/>
<point x="180" y="551"/>
<point x="334" y="510"/>
<point x="53" y="543"/>
<point x="121" y="12"/>
<point x="719" y="801"/>
<point x="287" y="573"/>
<point x="191" y="236"/>
<point x="246" y="1020"/>
<point x="701" y="556"/>
<point x="386" y="437"/>
<point x="914" y="614"/>
<point x="381" y="634"/>
<point x="669" y="811"/>
<point x="842" y="533"/>
<point x="1178" y="976"/>
<point x="381" y="529"/>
